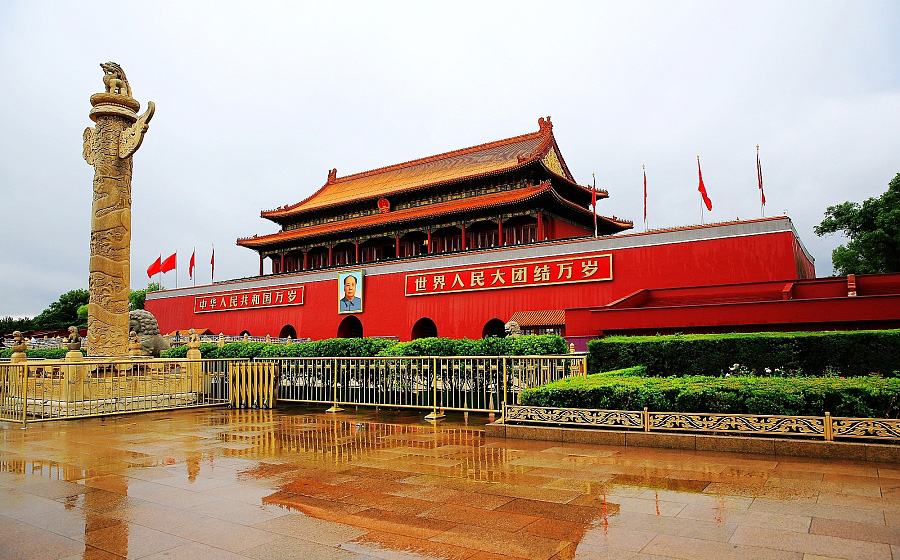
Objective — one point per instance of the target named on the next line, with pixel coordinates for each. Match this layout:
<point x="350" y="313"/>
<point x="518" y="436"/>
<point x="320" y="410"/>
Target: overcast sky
<point x="256" y="101"/>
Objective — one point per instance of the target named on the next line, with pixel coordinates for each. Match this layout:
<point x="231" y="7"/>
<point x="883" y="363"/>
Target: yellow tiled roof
<point x="477" y="161"/>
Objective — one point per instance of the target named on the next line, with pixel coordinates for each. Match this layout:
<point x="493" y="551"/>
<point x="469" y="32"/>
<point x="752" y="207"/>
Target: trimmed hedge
<point x="361" y="347"/>
<point x="862" y="397"/>
<point x="45" y="353"/>
<point x="841" y="353"/>
<point x="527" y="345"/>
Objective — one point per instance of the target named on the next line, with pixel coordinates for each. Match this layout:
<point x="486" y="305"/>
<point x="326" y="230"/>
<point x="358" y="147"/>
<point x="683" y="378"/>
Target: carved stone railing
<point x="826" y="427"/>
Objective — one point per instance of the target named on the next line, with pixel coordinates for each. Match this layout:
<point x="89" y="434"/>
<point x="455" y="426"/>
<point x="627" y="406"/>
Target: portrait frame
<point x="349" y="307"/>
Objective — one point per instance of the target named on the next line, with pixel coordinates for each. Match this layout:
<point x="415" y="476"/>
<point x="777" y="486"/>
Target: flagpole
<point x="762" y="196"/>
<point x="702" y="202"/>
<point x="701" y="195"/>
<point x="594" y="199"/>
<point x="159" y="273"/>
<point x="644" y="168"/>
<point x="176" y="270"/>
<point x="194" y="254"/>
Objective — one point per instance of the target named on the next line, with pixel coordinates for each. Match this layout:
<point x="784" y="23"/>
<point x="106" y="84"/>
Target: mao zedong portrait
<point x="350" y="302"/>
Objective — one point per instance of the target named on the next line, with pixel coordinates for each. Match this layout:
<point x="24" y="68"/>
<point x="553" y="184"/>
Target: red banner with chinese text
<point x="250" y="299"/>
<point x="573" y="270"/>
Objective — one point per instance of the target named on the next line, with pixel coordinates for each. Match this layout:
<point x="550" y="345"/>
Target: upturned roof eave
<point x="545" y="132"/>
<point x="292" y="214"/>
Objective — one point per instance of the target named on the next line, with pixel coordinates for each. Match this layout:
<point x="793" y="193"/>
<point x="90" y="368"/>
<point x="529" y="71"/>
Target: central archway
<point x="350" y="327"/>
<point x="424" y="328"/>
<point x="288" y="331"/>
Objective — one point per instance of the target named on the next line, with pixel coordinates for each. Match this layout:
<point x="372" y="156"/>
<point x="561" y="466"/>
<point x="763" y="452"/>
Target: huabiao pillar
<point x="108" y="146"/>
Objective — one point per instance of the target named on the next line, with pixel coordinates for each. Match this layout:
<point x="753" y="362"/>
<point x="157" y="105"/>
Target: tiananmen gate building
<point x="457" y="244"/>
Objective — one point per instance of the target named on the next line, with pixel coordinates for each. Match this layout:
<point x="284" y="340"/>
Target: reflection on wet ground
<point x="300" y="483"/>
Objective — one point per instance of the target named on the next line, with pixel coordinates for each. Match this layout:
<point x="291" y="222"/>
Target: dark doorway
<point x="424" y="328"/>
<point x="288" y="331"/>
<point x="350" y="327"/>
<point x="494" y="327"/>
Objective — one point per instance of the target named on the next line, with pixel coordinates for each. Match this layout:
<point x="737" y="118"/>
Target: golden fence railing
<point x="56" y="389"/>
<point x="466" y="383"/>
<point x="252" y="385"/>
<point x="826" y="427"/>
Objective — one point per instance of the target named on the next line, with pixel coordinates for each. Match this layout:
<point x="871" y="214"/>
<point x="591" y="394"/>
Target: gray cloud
<point x="257" y="101"/>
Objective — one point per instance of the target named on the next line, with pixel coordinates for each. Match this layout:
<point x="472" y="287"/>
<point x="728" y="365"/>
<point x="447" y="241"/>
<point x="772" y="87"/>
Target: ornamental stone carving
<point x="512" y="329"/>
<point x="108" y="146"/>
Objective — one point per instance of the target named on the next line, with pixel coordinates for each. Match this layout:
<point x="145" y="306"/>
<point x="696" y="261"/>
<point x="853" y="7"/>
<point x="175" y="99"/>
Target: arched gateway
<point x="424" y="328"/>
<point x="350" y="327"/>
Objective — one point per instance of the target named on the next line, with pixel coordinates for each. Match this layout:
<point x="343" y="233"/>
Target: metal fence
<point x="467" y="383"/>
<point x="57" y="389"/>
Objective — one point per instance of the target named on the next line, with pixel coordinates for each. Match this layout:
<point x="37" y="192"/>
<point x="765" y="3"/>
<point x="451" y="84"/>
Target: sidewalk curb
<point x="882" y="452"/>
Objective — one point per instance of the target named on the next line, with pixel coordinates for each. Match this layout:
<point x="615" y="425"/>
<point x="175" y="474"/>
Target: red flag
<point x="191" y="266"/>
<point x="645" y="192"/>
<point x="702" y="187"/>
<point x="154" y="268"/>
<point x="212" y="264"/>
<point x="168" y="264"/>
<point x="762" y="193"/>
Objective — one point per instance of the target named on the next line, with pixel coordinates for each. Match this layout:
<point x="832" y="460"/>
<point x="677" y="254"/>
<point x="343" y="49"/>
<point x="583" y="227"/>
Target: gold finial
<point x="757" y="147"/>
<point x="698" y="158"/>
<point x="643" y="166"/>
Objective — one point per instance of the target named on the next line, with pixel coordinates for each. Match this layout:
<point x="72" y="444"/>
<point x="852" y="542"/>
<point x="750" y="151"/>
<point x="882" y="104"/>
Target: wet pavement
<point x="299" y="483"/>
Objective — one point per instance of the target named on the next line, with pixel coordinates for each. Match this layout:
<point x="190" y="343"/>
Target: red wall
<point x="389" y="312"/>
<point x="561" y="230"/>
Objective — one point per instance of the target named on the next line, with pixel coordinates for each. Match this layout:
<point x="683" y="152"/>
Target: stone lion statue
<point x="144" y="324"/>
<point x="19" y="342"/>
<point x="73" y="341"/>
<point x="114" y="79"/>
<point x="513" y="329"/>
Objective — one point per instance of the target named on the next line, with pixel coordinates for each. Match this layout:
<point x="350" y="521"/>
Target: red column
<point x="330" y="261"/>
<point x="305" y="253"/>
<point x="357" y="252"/>
<point x="429" y="242"/>
<point x="464" y="243"/>
<point x="540" y="234"/>
<point x="397" y="246"/>
<point x="261" y="264"/>
<point x="499" y="232"/>
<point x="282" y="263"/>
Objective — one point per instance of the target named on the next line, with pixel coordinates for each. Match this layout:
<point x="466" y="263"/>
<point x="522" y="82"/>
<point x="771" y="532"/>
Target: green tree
<point x="82" y="316"/>
<point x="873" y="228"/>
<point x="10" y="324"/>
<point x="63" y="312"/>
<point x="137" y="298"/>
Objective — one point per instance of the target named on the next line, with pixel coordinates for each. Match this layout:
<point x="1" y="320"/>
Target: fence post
<point x="505" y="393"/>
<point x="434" y="415"/>
<point x="24" y="396"/>
<point x="829" y="434"/>
<point x="335" y="407"/>
<point x="646" y="420"/>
